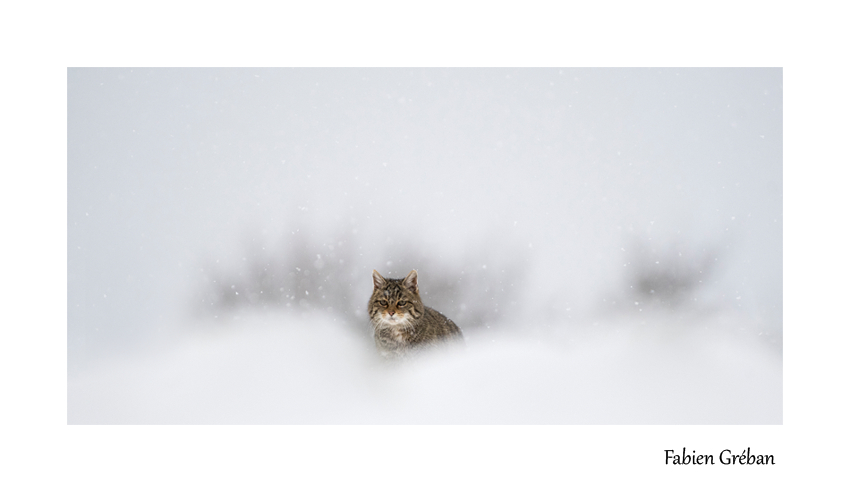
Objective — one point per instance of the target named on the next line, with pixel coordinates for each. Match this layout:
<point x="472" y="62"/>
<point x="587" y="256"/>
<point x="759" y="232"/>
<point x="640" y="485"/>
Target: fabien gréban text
<point x="726" y="457"/>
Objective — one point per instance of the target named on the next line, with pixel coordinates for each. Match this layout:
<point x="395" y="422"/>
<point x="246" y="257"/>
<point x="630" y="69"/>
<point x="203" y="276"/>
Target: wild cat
<point x="403" y="325"/>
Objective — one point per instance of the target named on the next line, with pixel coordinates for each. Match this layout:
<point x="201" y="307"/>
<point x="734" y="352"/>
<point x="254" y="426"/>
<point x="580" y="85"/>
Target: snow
<point x="223" y="227"/>
<point x="285" y="369"/>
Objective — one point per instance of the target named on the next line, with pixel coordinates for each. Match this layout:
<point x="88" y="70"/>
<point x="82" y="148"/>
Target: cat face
<point x="395" y="302"/>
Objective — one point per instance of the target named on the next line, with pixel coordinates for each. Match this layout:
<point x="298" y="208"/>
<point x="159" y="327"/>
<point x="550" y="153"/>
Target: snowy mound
<point x="285" y="369"/>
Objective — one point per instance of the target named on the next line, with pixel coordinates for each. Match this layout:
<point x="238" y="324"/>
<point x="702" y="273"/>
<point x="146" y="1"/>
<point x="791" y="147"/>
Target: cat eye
<point x="401" y="304"/>
<point x="383" y="303"/>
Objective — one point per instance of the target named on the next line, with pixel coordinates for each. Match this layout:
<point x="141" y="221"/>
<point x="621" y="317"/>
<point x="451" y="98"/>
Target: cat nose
<point x="391" y="313"/>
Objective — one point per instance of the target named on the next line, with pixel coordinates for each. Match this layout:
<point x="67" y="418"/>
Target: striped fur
<point x="402" y="324"/>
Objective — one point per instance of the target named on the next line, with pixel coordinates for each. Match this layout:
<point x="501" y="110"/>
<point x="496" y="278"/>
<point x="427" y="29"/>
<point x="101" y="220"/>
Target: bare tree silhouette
<point x="308" y="274"/>
<point x="669" y="275"/>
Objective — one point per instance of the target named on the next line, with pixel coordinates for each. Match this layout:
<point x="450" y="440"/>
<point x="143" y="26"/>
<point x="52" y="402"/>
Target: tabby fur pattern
<point x="402" y="324"/>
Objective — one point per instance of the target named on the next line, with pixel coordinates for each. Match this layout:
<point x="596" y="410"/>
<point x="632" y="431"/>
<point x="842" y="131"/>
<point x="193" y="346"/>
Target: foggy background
<point x="608" y="240"/>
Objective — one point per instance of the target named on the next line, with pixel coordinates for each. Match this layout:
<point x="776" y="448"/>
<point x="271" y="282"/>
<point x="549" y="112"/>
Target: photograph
<point x="405" y="246"/>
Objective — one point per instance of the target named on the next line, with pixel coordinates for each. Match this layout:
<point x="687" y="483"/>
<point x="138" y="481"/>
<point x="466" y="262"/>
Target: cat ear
<point x="377" y="279"/>
<point x="411" y="281"/>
